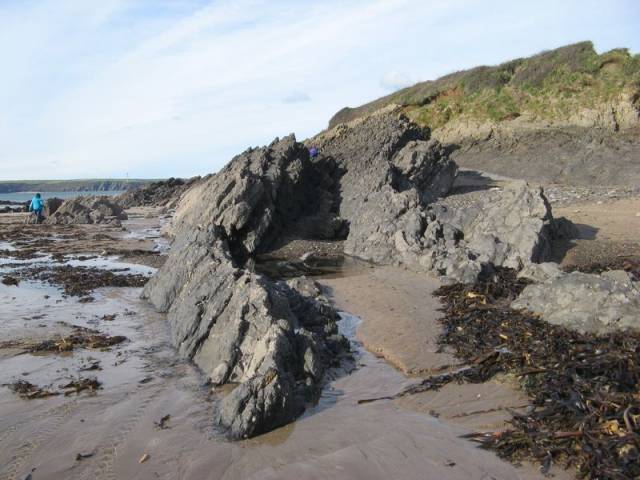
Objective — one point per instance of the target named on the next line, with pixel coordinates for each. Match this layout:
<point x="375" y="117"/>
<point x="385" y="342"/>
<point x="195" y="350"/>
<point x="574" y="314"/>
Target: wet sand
<point x="609" y="232"/>
<point x="400" y="315"/>
<point x="143" y="380"/>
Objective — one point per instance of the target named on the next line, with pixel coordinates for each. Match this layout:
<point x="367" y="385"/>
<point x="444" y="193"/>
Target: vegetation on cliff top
<point x="548" y="86"/>
<point x="99" y="184"/>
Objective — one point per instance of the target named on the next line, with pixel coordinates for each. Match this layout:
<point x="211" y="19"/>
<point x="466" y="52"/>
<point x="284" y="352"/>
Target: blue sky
<point x="157" y="88"/>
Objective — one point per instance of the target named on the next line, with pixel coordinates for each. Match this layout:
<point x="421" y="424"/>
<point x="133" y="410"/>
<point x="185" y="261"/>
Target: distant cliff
<point x="99" y="185"/>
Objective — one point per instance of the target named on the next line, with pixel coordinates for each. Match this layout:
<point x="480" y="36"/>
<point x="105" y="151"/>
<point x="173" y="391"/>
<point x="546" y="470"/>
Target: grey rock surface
<point x="237" y="326"/>
<point x="510" y="226"/>
<point x="541" y="272"/>
<point x="391" y="195"/>
<point x="51" y="205"/>
<point x="585" y="302"/>
<point x="164" y="193"/>
<point x="87" y="210"/>
<point x="390" y="171"/>
<point x="375" y="185"/>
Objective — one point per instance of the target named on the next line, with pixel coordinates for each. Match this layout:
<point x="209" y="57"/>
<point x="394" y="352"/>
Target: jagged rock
<point x="87" y="210"/>
<point x="51" y="205"/>
<point x="238" y="326"/>
<point x="390" y="171"/>
<point x="585" y="302"/>
<point x="540" y="272"/>
<point x="165" y="193"/>
<point x="509" y="226"/>
<point x="244" y="328"/>
<point x="374" y="182"/>
<point x="393" y="174"/>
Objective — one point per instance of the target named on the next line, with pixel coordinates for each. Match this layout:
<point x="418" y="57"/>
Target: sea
<point x="24" y="196"/>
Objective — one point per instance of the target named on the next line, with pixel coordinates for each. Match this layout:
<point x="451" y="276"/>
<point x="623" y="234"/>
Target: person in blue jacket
<point x="37" y="206"/>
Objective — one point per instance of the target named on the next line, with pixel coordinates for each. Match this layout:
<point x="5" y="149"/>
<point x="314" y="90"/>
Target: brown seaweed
<point x="584" y="388"/>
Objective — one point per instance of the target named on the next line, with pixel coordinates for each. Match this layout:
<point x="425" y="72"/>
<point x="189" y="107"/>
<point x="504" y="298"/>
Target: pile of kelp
<point x="584" y="388"/>
<point x="80" y="280"/>
<point x="29" y="391"/>
<point x="80" y="337"/>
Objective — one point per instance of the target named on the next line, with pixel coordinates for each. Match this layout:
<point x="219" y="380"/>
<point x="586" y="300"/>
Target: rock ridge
<point x="377" y="185"/>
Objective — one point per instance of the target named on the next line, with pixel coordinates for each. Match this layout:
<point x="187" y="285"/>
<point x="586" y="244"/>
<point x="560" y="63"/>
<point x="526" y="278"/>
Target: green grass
<point x="548" y="86"/>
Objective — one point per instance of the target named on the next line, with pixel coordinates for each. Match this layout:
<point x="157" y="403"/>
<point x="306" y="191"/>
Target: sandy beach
<point x="105" y="434"/>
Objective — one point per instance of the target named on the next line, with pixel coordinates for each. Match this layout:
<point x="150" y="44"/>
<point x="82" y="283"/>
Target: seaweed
<point x="81" y="281"/>
<point x="30" y="391"/>
<point x="584" y="387"/>
<point x="80" y="337"/>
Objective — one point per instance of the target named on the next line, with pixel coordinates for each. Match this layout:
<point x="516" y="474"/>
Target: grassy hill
<point x="86" y="185"/>
<point x="568" y="115"/>
<point x="549" y="86"/>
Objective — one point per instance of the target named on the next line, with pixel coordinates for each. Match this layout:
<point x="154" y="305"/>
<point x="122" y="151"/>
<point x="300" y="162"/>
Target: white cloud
<point x="297" y="97"/>
<point x="157" y="88"/>
<point x="395" y="80"/>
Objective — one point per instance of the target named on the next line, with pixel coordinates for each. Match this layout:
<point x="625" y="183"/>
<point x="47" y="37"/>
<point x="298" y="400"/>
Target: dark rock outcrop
<point x="87" y="210"/>
<point x="165" y="193"/>
<point x="238" y="326"/>
<point x="394" y="175"/>
<point x="373" y="185"/>
<point x="51" y="206"/>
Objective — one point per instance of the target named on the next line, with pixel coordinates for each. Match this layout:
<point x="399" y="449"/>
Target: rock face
<point x="165" y="193"/>
<point x="585" y="302"/>
<point x="87" y="210"/>
<point x="572" y="155"/>
<point x="373" y="185"/>
<point x="509" y="226"/>
<point x="238" y="326"/>
<point x="389" y="169"/>
<point x="51" y="205"/>
<point x="394" y="174"/>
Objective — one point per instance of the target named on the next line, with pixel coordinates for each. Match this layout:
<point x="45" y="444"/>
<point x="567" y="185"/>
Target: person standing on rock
<point x="37" y="205"/>
<point x="313" y="151"/>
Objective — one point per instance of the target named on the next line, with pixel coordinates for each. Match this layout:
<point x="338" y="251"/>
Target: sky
<point x="159" y="88"/>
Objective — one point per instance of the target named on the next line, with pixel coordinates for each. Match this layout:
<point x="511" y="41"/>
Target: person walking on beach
<point x="37" y="205"/>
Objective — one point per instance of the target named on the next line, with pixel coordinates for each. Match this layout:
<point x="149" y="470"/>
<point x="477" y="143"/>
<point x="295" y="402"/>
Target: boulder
<point x="584" y="302"/>
<point x="510" y="226"/>
<point x="388" y="171"/>
<point x="87" y="210"/>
